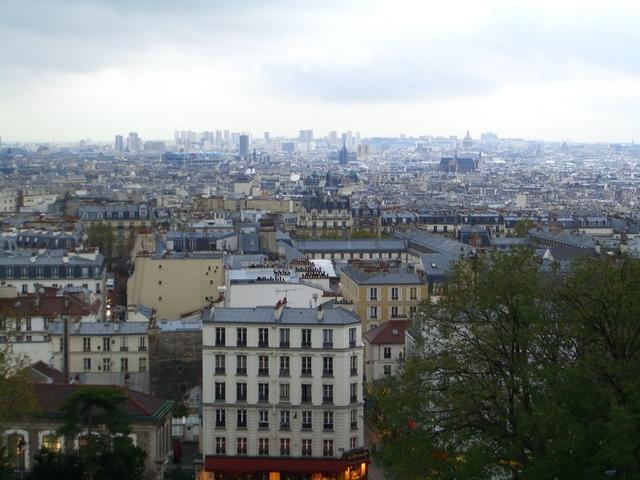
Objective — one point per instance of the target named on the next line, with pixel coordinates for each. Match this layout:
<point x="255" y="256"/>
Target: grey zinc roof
<point x="437" y="264"/>
<point x="437" y="243"/>
<point x="50" y="257"/>
<point x="390" y="276"/>
<point x="101" y="328"/>
<point x="289" y="316"/>
<point x="396" y="245"/>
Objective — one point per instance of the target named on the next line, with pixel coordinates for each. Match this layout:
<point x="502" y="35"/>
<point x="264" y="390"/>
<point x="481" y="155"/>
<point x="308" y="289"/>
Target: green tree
<point x="107" y="453"/>
<point x="101" y="236"/>
<point x="522" y="227"/>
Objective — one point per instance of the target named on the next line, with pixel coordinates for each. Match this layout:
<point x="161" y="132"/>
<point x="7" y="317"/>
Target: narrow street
<point x="370" y="439"/>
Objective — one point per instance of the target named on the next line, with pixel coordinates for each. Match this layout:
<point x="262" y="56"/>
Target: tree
<point x="17" y="401"/>
<point x="522" y="227"/>
<point x="101" y="236"/>
<point x="108" y="453"/>
<point x="520" y="374"/>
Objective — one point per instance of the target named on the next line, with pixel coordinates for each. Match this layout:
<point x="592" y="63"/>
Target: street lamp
<point x="22" y="447"/>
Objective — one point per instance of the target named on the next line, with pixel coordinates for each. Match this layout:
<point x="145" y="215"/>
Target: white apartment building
<point x="282" y="393"/>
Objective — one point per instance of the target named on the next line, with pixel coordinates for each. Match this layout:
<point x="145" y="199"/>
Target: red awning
<point x="267" y="464"/>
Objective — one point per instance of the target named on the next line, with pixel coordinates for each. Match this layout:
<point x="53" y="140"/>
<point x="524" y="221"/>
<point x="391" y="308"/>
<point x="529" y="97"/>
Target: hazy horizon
<point x="533" y="69"/>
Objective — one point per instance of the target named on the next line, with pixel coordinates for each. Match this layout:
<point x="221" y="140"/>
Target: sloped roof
<point x="391" y="332"/>
<point x="137" y="405"/>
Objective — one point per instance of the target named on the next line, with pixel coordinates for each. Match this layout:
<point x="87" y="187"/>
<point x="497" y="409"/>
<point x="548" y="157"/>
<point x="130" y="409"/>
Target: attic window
<point x="433" y="265"/>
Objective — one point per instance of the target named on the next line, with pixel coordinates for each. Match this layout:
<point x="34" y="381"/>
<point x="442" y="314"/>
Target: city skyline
<point x="536" y="70"/>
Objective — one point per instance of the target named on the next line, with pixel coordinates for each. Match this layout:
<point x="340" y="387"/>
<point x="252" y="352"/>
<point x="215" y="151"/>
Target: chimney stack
<point x="320" y="313"/>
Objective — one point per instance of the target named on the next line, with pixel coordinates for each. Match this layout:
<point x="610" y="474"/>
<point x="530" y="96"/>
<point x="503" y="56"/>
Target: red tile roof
<point x="51" y="397"/>
<point x="391" y="332"/>
<point x="43" y="373"/>
<point x="45" y="305"/>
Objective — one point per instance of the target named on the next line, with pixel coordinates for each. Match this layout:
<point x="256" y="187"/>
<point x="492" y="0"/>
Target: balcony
<point x="307" y="427"/>
<point x="263" y="344"/>
<point x="142" y="348"/>
<point x="263" y="372"/>
<point x="241" y="371"/>
<point x="124" y="349"/>
<point x="327" y="400"/>
<point x="240" y="343"/>
<point x="285" y="427"/>
<point x="327" y="344"/>
<point x="285" y="372"/>
<point x="305" y="345"/>
<point x="354" y="372"/>
<point x="354" y="425"/>
<point x="352" y="344"/>
<point x="306" y="399"/>
<point x="284" y="344"/>
<point x="306" y="373"/>
<point x="353" y="399"/>
<point x="263" y="425"/>
<point x="219" y="371"/>
<point x="327" y="373"/>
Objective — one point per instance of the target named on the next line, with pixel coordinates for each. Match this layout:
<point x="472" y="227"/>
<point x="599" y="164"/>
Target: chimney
<point x="277" y="311"/>
<point x="320" y="313"/>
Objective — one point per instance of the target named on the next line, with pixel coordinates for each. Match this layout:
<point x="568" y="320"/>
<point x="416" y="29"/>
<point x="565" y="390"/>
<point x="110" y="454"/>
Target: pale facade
<point x="281" y="383"/>
<point x="175" y="285"/>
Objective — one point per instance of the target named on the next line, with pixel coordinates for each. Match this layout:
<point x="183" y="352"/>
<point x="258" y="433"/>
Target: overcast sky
<point x="557" y="70"/>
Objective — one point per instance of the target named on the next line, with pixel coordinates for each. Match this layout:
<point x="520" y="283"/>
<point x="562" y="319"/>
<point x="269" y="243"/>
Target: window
<point x="219" y="364"/>
<point x="142" y="364"/>
<point x="284" y="392"/>
<point x="395" y="294"/>
<point x="86" y="344"/>
<point x="142" y="344"/>
<point x="306" y="338"/>
<point x="327" y="393"/>
<point x="306" y="366"/>
<point x="61" y="344"/>
<point x="25" y="288"/>
<point x="307" y="447"/>
<point x="263" y="337"/>
<point x="327" y="338"/>
<point x="263" y="392"/>
<point x="220" y="417"/>
<point x="373" y="293"/>
<point x="284" y="338"/>
<point x="353" y="362"/>
<point x="413" y="293"/>
<point x="241" y="392"/>
<point x="28" y="324"/>
<point x="263" y="446"/>
<point x="327" y="366"/>
<point x="221" y="445"/>
<point x="241" y="337"/>
<point x="395" y="312"/>
<point x="220" y="336"/>
<point x="220" y="390"/>
<point x="412" y="311"/>
<point x="241" y="364"/>
<point x="263" y="365"/>
<point x="52" y="443"/>
<point x="354" y="419"/>
<point x="306" y="393"/>
<point x="387" y="352"/>
<point x="284" y="420"/>
<point x="124" y="364"/>
<point x="263" y="419"/>
<point x="106" y="364"/>
<point x="241" y="446"/>
<point x="327" y="422"/>
<point x="307" y="423"/>
<point x="353" y="392"/>
<point x="241" y="417"/>
<point x="353" y="443"/>
<point x="86" y="362"/>
<point x="386" y="369"/>
<point x="284" y="366"/>
<point x="327" y="448"/>
<point x="285" y="447"/>
<point x="373" y="313"/>
<point x="123" y="344"/>
<point x="352" y="338"/>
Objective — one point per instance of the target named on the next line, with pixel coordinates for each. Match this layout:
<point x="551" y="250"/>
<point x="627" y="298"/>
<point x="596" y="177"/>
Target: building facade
<point x="282" y="393"/>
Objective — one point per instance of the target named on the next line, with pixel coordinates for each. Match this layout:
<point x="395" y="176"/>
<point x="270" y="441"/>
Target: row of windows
<point x="284" y="363"/>
<point x="306" y="395"/>
<point x="50" y="272"/>
<point x="34" y="287"/>
<point x="306" y="419"/>
<point x="306" y="446"/>
<point x="107" y="343"/>
<point x="394" y="293"/>
<point x="352" y="255"/>
<point x="106" y="364"/>
<point x="284" y="337"/>
<point x="394" y="312"/>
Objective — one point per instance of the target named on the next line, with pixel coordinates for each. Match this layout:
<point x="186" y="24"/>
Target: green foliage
<point x="522" y="227"/>
<point x="17" y="400"/>
<point x="101" y="236"/>
<point x="179" y="410"/>
<point x="56" y="466"/>
<point x="520" y="374"/>
<point x="364" y="235"/>
<point x="107" y="454"/>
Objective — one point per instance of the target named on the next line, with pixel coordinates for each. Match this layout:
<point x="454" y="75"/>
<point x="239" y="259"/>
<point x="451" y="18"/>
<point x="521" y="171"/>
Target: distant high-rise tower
<point x="267" y="139"/>
<point x="344" y="155"/>
<point x="119" y="145"/>
<point x="134" y="143"/>
<point x="333" y="137"/>
<point x="243" y="146"/>
<point x="218" y="137"/>
<point x="226" y="137"/>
